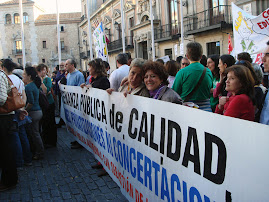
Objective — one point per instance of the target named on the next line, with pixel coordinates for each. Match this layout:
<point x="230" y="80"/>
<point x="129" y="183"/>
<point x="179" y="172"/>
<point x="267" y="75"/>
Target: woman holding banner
<point x="135" y="85"/>
<point x="98" y="75"/>
<point x="156" y="82"/>
<point x="240" y="84"/>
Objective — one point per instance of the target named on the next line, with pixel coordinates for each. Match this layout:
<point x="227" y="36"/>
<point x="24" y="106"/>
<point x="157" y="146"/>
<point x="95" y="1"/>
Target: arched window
<point x="145" y="18"/>
<point x="16" y="18"/>
<point x="8" y="19"/>
<point x="25" y="17"/>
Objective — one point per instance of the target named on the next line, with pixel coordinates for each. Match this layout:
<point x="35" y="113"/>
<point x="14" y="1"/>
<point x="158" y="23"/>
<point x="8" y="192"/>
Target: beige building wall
<point x="39" y="28"/>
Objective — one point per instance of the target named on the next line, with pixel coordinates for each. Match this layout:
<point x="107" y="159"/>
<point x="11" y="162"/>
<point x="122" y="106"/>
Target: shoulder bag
<point x="14" y="100"/>
<point x="196" y="87"/>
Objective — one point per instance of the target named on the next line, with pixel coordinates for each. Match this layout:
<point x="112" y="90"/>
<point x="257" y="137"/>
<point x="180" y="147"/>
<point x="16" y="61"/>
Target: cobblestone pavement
<point x="63" y="175"/>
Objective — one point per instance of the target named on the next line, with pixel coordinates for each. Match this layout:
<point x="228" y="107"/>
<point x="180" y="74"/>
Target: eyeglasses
<point x="185" y="64"/>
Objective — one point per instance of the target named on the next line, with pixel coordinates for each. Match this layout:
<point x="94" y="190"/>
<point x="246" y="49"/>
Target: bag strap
<point x="9" y="80"/>
<point x="196" y="87"/>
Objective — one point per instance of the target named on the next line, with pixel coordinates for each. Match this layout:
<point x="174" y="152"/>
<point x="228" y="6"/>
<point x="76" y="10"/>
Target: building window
<point x="16" y="18"/>
<point x="119" y="31"/>
<point x="44" y="44"/>
<point x="20" y="61"/>
<point x="62" y="45"/>
<point x="107" y="33"/>
<point x="145" y="18"/>
<point x="173" y="12"/>
<point x="131" y="24"/>
<point x="213" y="48"/>
<point x="18" y="46"/>
<point x="62" y="28"/>
<point x="25" y="17"/>
<point x="169" y="53"/>
<point x="43" y="61"/>
<point x="8" y="19"/>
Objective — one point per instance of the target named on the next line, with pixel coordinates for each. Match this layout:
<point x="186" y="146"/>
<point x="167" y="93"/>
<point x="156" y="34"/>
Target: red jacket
<point x="238" y="106"/>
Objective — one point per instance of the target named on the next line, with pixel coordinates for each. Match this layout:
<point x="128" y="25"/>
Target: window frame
<point x="17" y="19"/>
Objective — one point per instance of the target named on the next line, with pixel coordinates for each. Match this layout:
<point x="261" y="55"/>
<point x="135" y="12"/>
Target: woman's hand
<point x="109" y="90"/>
<point x="124" y="81"/>
<point x="23" y="114"/>
<point x="83" y="85"/>
<point x="222" y="102"/>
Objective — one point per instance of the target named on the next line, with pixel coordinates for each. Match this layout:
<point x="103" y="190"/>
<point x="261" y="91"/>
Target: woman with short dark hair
<point x="98" y="75"/>
<point x="171" y="68"/>
<point x="156" y="82"/>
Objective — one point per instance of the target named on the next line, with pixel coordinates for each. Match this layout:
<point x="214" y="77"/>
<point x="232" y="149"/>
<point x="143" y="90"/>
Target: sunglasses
<point x="185" y="64"/>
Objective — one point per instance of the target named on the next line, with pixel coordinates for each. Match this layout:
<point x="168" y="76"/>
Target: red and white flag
<point x="230" y="45"/>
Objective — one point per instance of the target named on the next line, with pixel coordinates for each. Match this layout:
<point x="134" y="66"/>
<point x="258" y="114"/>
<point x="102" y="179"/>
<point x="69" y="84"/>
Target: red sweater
<point x="238" y="106"/>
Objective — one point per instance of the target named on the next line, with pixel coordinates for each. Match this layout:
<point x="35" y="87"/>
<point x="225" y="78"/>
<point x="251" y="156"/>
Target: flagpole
<point x="152" y="31"/>
<point x="182" y="28"/>
<point x="89" y="29"/>
<point x="22" y="36"/>
<point x="122" y="26"/>
<point x="58" y="34"/>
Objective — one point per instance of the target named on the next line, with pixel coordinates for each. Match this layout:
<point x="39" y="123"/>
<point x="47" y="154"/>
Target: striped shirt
<point x="4" y="88"/>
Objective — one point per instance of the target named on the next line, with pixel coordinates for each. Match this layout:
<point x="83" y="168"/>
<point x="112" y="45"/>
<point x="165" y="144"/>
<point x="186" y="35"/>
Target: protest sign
<point x="100" y="42"/>
<point x="250" y="32"/>
<point x="160" y="151"/>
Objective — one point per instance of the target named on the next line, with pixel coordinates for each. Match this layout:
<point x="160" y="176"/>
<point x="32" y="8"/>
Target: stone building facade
<point x="40" y="34"/>
<point x="206" y="21"/>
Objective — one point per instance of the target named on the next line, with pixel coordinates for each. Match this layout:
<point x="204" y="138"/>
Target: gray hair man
<point x="122" y="71"/>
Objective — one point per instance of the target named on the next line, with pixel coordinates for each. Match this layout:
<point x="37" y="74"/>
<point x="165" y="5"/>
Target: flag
<point x="100" y="42"/>
<point x="250" y="32"/>
<point x="230" y="45"/>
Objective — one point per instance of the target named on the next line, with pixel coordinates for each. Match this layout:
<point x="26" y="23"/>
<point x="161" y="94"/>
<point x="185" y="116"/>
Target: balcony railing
<point x="166" y="31"/>
<point x="117" y="44"/>
<point x="17" y="52"/>
<point x="217" y="16"/>
<point x="63" y="49"/>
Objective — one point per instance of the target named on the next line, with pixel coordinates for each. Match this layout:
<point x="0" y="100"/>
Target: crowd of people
<point x="223" y="84"/>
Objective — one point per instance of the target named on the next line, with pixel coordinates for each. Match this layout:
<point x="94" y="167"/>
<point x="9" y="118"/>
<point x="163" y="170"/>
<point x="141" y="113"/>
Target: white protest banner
<point x="165" y="58"/>
<point x="250" y="32"/>
<point x="160" y="151"/>
<point x="100" y="42"/>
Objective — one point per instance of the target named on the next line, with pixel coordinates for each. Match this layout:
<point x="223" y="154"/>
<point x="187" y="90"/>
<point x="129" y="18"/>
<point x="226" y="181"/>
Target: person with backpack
<point x="49" y="129"/>
<point x="33" y="83"/>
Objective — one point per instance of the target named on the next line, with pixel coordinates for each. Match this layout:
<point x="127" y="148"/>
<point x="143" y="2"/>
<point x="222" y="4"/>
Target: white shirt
<point x="17" y="82"/>
<point x="116" y="76"/>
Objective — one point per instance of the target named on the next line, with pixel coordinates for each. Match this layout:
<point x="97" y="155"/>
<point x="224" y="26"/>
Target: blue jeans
<point x="20" y="142"/>
<point x="27" y="155"/>
<point x="16" y="146"/>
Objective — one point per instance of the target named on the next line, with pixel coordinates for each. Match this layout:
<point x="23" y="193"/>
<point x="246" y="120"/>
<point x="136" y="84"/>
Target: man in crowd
<point x="188" y="77"/>
<point x="74" y="78"/>
<point x="122" y="71"/>
<point x="265" y="111"/>
<point x="9" y="177"/>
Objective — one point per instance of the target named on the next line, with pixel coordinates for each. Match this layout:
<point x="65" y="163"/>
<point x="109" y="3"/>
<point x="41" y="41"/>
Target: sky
<point x="65" y="6"/>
